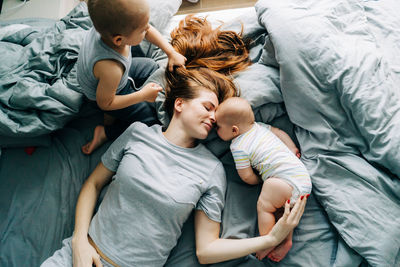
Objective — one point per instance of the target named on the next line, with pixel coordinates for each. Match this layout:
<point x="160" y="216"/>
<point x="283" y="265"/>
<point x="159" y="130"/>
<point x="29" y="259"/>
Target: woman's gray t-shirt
<point x="156" y="186"/>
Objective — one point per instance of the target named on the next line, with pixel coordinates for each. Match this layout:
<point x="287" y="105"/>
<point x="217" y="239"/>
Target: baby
<point x="109" y="75"/>
<point x="272" y="153"/>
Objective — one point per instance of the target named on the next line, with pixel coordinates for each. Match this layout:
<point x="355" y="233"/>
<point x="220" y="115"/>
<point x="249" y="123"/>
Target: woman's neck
<point x="177" y="136"/>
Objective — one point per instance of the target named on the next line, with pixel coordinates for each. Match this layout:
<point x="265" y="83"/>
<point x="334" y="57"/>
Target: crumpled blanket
<point x="339" y="74"/>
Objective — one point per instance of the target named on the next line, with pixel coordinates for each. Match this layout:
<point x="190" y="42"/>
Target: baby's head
<point x="234" y="117"/>
<point x="119" y="21"/>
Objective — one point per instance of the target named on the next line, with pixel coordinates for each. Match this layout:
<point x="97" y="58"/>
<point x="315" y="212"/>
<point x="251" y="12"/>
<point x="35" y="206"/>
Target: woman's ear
<point x="117" y="40"/>
<point x="178" y="104"/>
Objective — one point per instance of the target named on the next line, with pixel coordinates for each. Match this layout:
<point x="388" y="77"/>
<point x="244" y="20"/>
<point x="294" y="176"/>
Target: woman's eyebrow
<point x="211" y="103"/>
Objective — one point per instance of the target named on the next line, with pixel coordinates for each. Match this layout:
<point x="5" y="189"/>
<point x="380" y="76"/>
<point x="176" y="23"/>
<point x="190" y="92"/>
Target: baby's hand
<point x="150" y="91"/>
<point x="296" y="151"/>
<point x="175" y="59"/>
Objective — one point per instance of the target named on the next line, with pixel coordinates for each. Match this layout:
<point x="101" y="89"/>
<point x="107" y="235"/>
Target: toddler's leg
<point x="100" y="135"/>
<point x="275" y="192"/>
<point x="99" y="138"/>
<point x="108" y="119"/>
<point x="141" y="69"/>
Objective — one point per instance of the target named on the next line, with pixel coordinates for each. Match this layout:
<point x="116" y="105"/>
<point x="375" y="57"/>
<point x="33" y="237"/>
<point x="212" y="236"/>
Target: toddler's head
<point x="234" y="117"/>
<point x="127" y="19"/>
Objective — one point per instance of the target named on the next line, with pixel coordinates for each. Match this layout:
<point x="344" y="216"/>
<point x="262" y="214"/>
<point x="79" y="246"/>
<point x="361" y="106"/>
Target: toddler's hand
<point x="150" y="91"/>
<point x="175" y="59"/>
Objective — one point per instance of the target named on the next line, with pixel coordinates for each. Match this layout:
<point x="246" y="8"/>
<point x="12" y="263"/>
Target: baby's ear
<point x="235" y="130"/>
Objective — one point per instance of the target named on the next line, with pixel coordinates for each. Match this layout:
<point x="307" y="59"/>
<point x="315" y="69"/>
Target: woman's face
<point x="198" y="114"/>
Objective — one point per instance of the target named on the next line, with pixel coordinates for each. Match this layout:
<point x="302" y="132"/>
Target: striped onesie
<point x="262" y="150"/>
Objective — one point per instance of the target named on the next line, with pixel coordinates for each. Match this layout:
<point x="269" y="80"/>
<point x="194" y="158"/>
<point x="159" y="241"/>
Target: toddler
<point x="274" y="156"/>
<point x="109" y="75"/>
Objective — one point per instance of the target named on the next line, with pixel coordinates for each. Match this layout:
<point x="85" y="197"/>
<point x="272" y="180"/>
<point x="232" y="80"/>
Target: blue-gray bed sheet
<point x="325" y="72"/>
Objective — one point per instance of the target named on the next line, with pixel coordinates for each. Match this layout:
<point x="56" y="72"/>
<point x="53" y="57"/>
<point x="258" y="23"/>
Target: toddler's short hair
<point x="117" y="16"/>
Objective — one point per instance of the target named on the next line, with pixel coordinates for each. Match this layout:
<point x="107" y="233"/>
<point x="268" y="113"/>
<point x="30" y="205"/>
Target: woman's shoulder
<point x="208" y="159"/>
<point x="206" y="153"/>
<point x="138" y="129"/>
<point x="140" y="126"/>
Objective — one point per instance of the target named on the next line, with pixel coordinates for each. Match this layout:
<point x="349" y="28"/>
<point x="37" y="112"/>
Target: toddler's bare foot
<point x="99" y="138"/>
<point x="279" y="252"/>
<point x="263" y="253"/>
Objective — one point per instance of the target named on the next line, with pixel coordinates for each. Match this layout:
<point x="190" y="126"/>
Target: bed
<point x="326" y="72"/>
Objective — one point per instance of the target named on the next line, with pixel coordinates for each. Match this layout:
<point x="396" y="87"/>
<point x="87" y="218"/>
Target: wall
<point x="53" y="9"/>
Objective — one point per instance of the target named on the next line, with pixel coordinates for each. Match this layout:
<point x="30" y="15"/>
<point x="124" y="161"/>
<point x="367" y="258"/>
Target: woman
<point x="156" y="179"/>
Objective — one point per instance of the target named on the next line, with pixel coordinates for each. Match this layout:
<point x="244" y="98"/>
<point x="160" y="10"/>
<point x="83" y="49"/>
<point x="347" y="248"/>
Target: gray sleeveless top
<point x="92" y="50"/>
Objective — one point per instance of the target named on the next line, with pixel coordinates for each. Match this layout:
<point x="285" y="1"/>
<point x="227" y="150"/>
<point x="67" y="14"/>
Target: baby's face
<point x="224" y="130"/>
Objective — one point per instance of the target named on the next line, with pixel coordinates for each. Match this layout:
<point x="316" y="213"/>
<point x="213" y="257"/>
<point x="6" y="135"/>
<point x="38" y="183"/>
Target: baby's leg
<point x="275" y="192"/>
<point x="280" y="251"/>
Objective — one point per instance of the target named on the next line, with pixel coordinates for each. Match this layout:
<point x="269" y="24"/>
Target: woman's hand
<point x="289" y="220"/>
<point x="83" y="254"/>
<point x="176" y="59"/>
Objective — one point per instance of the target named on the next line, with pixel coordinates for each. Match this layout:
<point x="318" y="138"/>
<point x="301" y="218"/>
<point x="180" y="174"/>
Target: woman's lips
<point x="208" y="125"/>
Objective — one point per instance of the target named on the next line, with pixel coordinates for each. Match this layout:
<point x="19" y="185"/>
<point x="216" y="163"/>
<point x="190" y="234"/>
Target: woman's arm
<point x="83" y="252"/>
<point x="174" y="58"/>
<point x="285" y="138"/>
<point x="212" y="249"/>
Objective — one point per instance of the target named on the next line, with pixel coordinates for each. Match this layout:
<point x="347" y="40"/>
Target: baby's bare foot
<point x="279" y="252"/>
<point x="263" y="253"/>
<point x="99" y="138"/>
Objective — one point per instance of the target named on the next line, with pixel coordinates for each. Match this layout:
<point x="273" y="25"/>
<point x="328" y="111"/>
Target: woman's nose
<point x="212" y="117"/>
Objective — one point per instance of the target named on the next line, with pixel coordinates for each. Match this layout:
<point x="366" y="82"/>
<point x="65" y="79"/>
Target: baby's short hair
<point x="117" y="16"/>
<point x="235" y="110"/>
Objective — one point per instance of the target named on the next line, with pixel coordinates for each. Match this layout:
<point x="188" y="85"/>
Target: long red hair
<point x="203" y="46"/>
<point x="213" y="55"/>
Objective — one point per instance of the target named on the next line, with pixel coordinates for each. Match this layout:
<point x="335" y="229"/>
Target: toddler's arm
<point x="109" y="73"/>
<point x="174" y="58"/>
<point x="248" y="176"/>
<point x="285" y="138"/>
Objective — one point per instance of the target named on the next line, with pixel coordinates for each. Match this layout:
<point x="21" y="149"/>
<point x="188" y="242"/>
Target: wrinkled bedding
<point x="339" y="70"/>
<point x="323" y="72"/>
